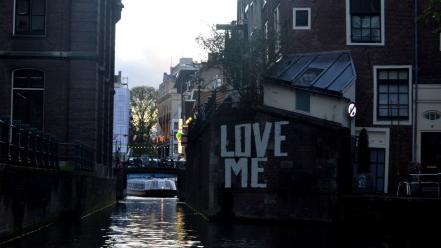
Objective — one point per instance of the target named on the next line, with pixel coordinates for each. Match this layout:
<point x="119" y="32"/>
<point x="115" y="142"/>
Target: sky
<point x="154" y="34"/>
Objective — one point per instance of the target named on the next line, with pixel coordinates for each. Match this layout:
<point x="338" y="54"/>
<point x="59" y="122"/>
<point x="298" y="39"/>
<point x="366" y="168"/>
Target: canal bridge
<point x="177" y="172"/>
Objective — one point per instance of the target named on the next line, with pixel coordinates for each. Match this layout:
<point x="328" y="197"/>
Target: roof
<point x="326" y="72"/>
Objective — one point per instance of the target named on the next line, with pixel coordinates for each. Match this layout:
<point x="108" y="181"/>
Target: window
<point x="302" y="100"/>
<point x="27" y="99"/>
<point x="392" y="97"/>
<point x="302" y="18"/>
<point x="432" y="115"/>
<point x="309" y="76"/>
<point x="365" y="22"/>
<point x="30" y="17"/>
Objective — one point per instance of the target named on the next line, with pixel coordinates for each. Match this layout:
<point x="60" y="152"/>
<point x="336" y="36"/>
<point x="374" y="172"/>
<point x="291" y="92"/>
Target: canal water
<point x="165" y="222"/>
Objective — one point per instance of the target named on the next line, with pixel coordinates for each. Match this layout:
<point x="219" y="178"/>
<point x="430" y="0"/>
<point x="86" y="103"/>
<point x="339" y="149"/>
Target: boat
<point x="152" y="187"/>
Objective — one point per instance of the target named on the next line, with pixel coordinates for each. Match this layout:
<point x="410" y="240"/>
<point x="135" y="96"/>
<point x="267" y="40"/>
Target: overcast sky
<point x="152" y="34"/>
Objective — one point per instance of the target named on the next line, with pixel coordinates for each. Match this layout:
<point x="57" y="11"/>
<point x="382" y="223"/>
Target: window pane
<point x="356" y="22"/>
<point x="393" y="88"/>
<point x="22" y="7"/>
<point x="366" y="34"/>
<point x="356" y="34"/>
<point x="383" y="75"/>
<point x="404" y="99"/>
<point x="404" y="112"/>
<point x="394" y="112"/>
<point x="38" y="23"/>
<point x="365" y="22"/>
<point x="301" y="18"/>
<point x="393" y="75"/>
<point x="28" y="107"/>
<point x="383" y="88"/>
<point x="302" y="100"/>
<point x="21" y="24"/>
<point x="383" y="99"/>
<point x="28" y="79"/>
<point x="376" y="35"/>
<point x="38" y="7"/>
<point x="365" y="6"/>
<point x="393" y="99"/>
<point x="383" y="112"/>
<point x="375" y="21"/>
<point x="403" y="75"/>
<point x="404" y="88"/>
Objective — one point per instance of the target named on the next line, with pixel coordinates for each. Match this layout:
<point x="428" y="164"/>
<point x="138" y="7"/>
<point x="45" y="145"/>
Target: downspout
<point x="416" y="79"/>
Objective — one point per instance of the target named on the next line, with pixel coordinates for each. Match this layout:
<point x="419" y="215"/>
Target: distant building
<point x="57" y="69"/>
<point x="170" y="105"/>
<point x="121" y="116"/>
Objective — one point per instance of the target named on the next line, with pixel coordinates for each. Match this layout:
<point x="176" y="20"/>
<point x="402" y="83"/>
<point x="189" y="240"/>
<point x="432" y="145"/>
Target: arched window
<point x="28" y="97"/>
<point x="30" y="17"/>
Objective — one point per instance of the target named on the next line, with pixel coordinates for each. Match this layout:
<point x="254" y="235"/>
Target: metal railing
<point x="22" y="145"/>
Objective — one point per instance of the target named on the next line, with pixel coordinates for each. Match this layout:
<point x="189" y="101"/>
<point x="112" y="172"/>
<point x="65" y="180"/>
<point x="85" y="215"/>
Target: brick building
<point x="398" y="88"/>
<point x="57" y="68"/>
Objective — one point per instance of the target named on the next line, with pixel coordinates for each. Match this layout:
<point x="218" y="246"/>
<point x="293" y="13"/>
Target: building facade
<point x="121" y="116"/>
<point x="397" y="85"/>
<point x="170" y="106"/>
<point x="57" y="69"/>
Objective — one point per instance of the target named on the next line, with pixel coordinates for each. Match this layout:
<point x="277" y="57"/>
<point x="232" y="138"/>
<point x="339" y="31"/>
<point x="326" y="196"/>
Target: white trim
<point x="392" y="122"/>
<point x="294" y="26"/>
<point x="348" y="28"/>
<point x="13" y="19"/>
<point x="386" y="146"/>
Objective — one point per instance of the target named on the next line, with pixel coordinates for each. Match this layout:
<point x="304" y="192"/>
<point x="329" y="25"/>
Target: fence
<point x="22" y="145"/>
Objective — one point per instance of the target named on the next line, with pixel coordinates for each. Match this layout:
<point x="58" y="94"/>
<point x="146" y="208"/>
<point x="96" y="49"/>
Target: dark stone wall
<point x="303" y="185"/>
<point x="31" y="198"/>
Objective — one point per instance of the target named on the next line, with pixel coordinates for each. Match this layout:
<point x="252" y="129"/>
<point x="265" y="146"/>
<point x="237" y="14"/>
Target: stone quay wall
<point x="31" y="198"/>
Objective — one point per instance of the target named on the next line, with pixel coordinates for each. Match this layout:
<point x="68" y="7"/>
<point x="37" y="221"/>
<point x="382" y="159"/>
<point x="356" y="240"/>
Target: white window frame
<point x="348" y="28"/>
<point x="294" y="24"/>
<point x="392" y="122"/>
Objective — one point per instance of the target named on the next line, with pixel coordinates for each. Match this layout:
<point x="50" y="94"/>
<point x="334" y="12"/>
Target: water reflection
<point x="147" y="222"/>
<point x="156" y="222"/>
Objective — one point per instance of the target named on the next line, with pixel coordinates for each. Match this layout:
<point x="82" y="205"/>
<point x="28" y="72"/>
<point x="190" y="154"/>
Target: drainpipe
<point x="416" y="79"/>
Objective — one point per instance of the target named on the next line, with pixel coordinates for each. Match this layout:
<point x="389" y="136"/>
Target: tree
<point x="244" y="59"/>
<point x="144" y="113"/>
<point x="432" y="14"/>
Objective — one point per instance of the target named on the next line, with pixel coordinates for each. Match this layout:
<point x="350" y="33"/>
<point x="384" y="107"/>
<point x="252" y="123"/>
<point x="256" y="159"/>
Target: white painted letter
<point x="238" y="140"/>
<point x="224" y="143"/>
<point x="261" y="142"/>
<point x="255" y="170"/>
<point x="278" y="138"/>
<point x="239" y="167"/>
